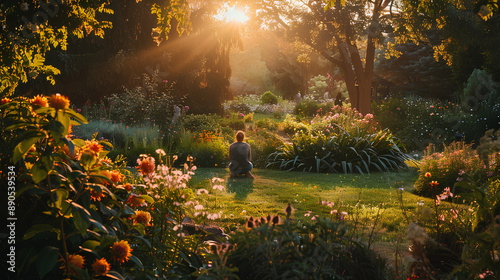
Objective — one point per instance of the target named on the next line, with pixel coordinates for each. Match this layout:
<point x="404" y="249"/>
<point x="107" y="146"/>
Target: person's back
<point x="240" y="156"/>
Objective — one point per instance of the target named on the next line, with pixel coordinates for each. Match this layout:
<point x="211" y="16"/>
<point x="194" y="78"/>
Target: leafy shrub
<point x="80" y="210"/>
<point x="308" y="107"/>
<point x="239" y="107"/>
<point x="266" y="123"/>
<point x="419" y="122"/>
<point x="151" y="104"/>
<point x="480" y="88"/>
<point x="207" y="152"/>
<point x="291" y="126"/>
<point x="270" y="249"/>
<point x="318" y="85"/>
<point x="268" y="98"/>
<point x="235" y="121"/>
<point x="443" y="170"/>
<point x="248" y="118"/>
<point x="200" y="123"/>
<point x="465" y="239"/>
<point x="263" y="143"/>
<point x="252" y="101"/>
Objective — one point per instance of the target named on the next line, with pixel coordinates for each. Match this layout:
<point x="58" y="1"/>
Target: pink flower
<point x="200" y="191"/>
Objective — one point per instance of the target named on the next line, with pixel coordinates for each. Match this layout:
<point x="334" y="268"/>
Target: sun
<point x="233" y="14"/>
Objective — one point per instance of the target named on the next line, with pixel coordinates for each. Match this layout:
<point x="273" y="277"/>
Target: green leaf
<point x="136" y="260"/>
<point x="38" y="172"/>
<point x="91" y="244"/>
<point x="36" y="229"/>
<point x="22" y="148"/>
<point x="46" y="260"/>
<point x="78" y="117"/>
<point x="147" y="198"/>
<point x="81" y="218"/>
<point x="79" y="142"/>
<point x="99" y="226"/>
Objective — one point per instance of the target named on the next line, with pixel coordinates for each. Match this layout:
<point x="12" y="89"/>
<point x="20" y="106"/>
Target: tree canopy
<point x="32" y="28"/>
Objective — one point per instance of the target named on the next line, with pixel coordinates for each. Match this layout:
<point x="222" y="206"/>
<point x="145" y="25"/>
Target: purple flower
<point x="186" y="107"/>
<point x="165" y="81"/>
<point x="227" y="116"/>
<point x="242" y="115"/>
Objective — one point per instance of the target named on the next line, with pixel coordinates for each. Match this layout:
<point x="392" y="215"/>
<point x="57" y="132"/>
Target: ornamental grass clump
<point x="343" y="141"/>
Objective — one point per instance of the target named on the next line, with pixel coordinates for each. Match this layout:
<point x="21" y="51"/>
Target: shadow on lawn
<point x="241" y="187"/>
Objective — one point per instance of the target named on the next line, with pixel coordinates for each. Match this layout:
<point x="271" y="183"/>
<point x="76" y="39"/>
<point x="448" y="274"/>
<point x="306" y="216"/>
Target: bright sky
<point x="233" y="13"/>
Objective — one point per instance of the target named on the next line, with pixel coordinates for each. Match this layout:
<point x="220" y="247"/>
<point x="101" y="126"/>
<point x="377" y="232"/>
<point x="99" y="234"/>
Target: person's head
<point x="240" y="135"/>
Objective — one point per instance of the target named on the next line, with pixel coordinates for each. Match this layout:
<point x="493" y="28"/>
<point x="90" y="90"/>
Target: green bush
<point x="307" y="108"/>
<point x="268" y="98"/>
<point x="152" y="103"/>
<point x="235" y="121"/>
<point x="441" y="170"/>
<point x="323" y="249"/>
<point x="239" y="106"/>
<point x="79" y="208"/>
<point x="291" y="126"/>
<point x="263" y="143"/>
<point x="419" y="122"/>
<point x="207" y="152"/>
<point x="266" y="123"/>
<point x="200" y="123"/>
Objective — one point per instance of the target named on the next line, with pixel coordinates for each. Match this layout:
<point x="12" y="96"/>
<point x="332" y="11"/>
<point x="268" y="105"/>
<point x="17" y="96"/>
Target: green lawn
<point x="362" y="197"/>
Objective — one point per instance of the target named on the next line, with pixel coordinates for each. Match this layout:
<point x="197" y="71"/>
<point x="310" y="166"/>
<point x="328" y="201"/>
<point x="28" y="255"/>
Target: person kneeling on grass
<point x="239" y="157"/>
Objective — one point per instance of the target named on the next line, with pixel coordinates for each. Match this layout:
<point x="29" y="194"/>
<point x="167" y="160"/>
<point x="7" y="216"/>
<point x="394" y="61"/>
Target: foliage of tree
<point x="464" y="33"/>
<point x="336" y="30"/>
<point x="33" y="28"/>
<point x="415" y="71"/>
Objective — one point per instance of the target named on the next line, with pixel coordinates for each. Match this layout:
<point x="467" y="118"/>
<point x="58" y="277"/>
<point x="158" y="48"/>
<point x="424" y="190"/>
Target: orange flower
<point x="142" y="217"/>
<point x="96" y="195"/>
<point x="76" y="261"/>
<point x="127" y="186"/>
<point x="434" y="183"/>
<point x="40" y="100"/>
<point x="121" y="251"/>
<point x="427" y="174"/>
<point x="6" y="100"/>
<point x="147" y="165"/>
<point x="93" y="146"/>
<point x="101" y="267"/>
<point x="58" y="101"/>
<point x="116" y="176"/>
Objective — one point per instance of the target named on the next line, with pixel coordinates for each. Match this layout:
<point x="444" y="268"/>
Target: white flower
<point x="416" y="233"/>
